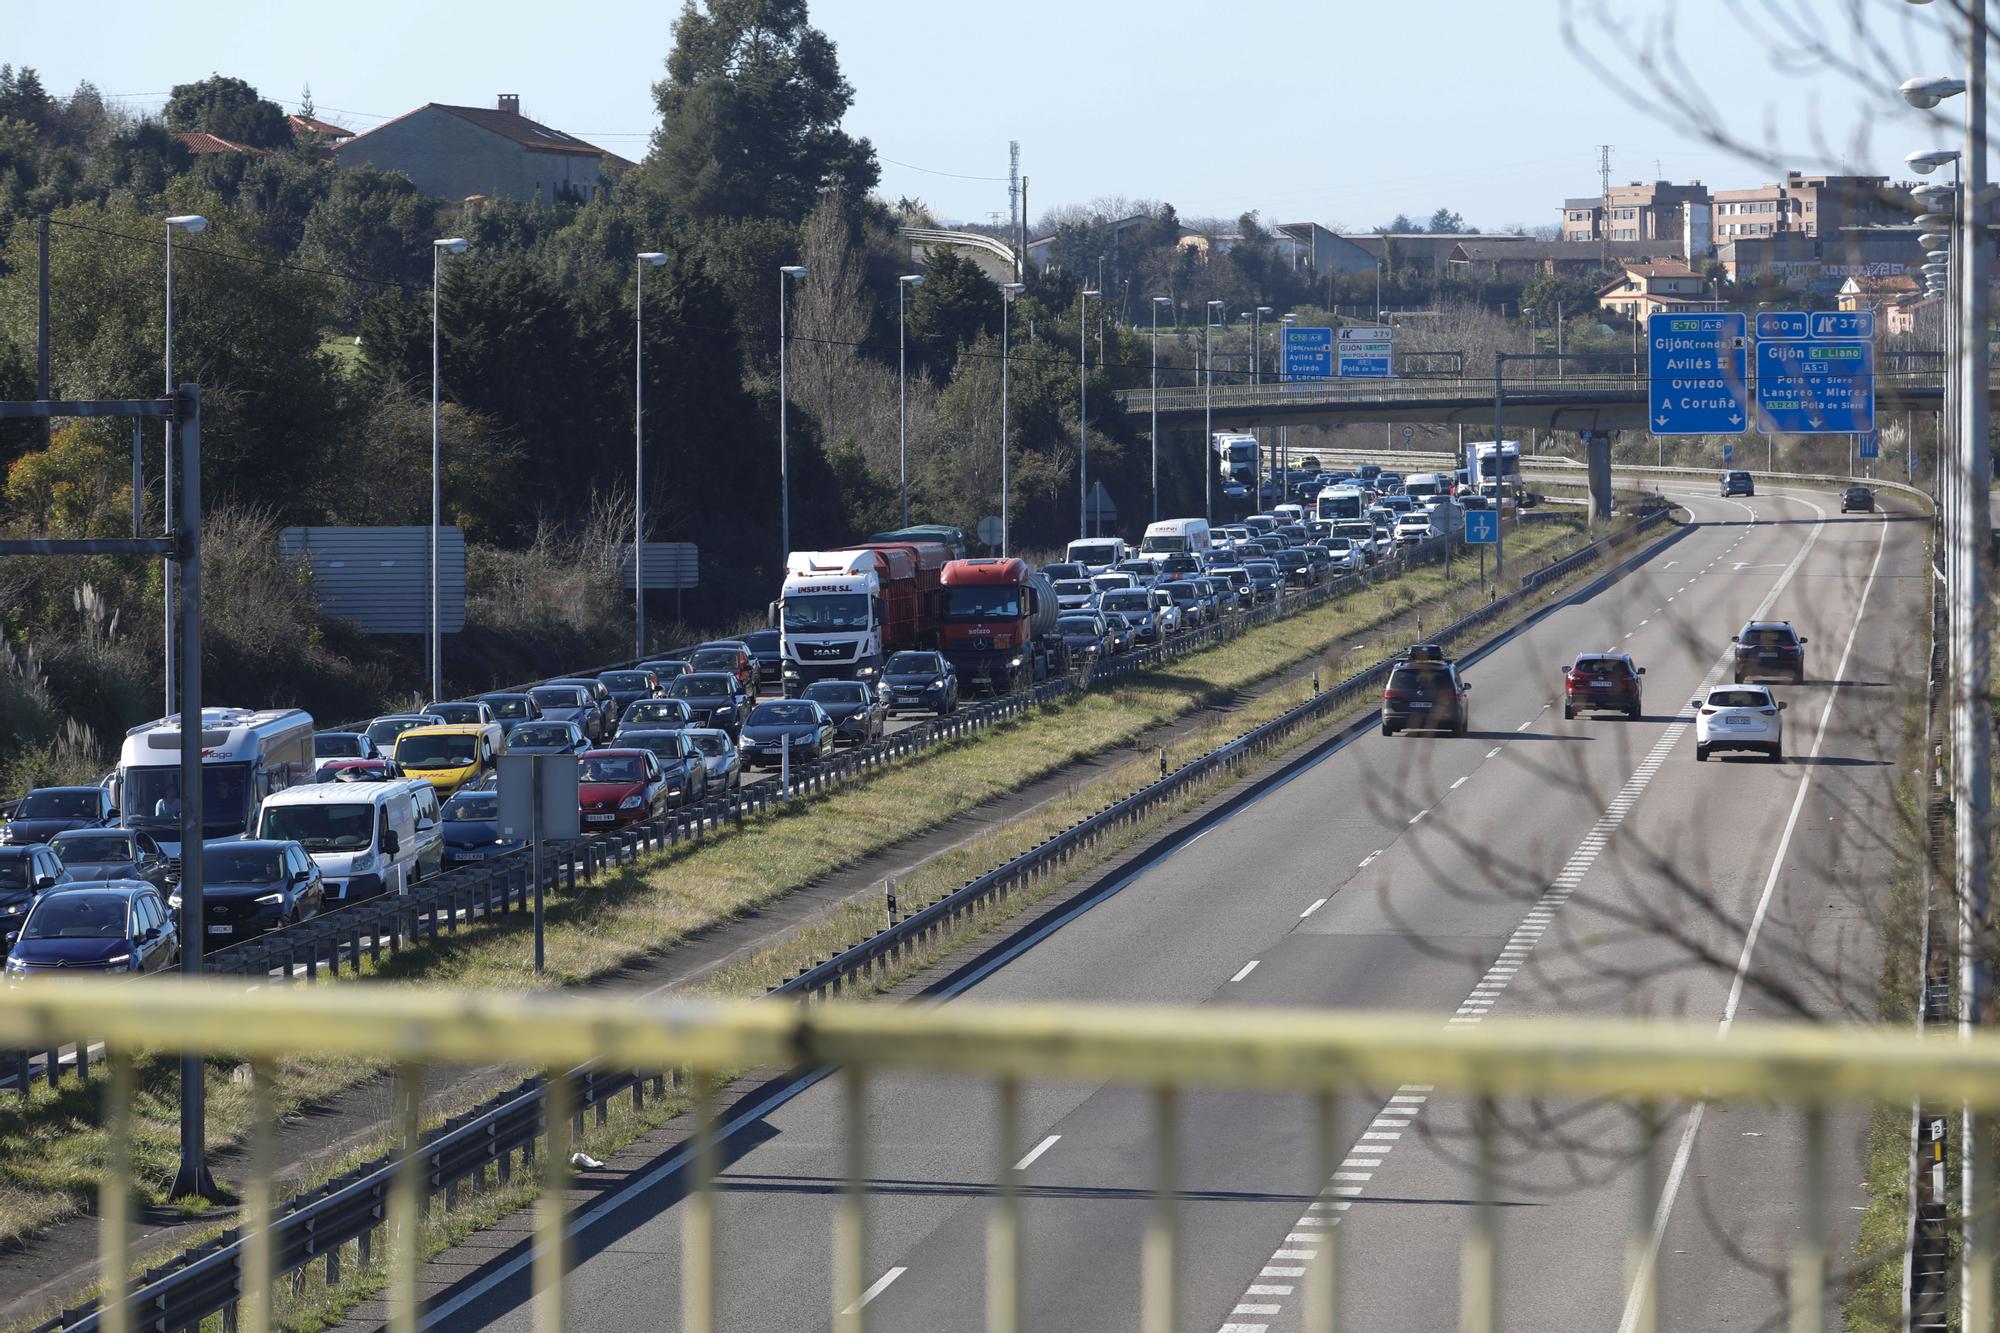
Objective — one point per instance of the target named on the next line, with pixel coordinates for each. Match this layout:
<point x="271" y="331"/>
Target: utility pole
<point x="1604" y="205"/>
<point x="42" y="331"/>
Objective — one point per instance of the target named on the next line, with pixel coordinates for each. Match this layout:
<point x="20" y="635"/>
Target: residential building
<point x="1422" y="253"/>
<point x="201" y="144"/>
<point x="1518" y="261"/>
<point x="1877" y="293"/>
<point x="1654" y="287"/>
<point x="328" y="132"/>
<point x="1041" y="252"/>
<point x="1635" y="211"/>
<point x="1822" y="261"/>
<point x="455" y="152"/>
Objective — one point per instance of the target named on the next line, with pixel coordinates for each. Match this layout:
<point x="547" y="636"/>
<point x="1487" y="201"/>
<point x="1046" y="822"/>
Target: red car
<point x="619" y="787"/>
<point x="1602" y="681"/>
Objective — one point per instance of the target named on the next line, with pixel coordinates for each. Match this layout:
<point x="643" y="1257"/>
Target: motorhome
<point x="245" y="757"/>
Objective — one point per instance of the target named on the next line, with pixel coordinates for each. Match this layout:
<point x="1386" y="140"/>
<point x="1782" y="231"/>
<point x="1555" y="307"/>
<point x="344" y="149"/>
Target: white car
<point x="1414" y="528"/>
<point x="1739" y="717"/>
<point x="1347" y="555"/>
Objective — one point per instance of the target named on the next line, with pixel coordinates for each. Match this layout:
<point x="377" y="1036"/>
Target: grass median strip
<point x="53" y="1147"/>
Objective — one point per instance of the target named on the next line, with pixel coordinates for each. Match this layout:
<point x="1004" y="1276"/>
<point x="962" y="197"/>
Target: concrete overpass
<point x="995" y="258"/>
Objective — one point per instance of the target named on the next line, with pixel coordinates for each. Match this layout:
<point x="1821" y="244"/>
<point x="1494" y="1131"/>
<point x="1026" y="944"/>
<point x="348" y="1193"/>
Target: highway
<point x="1537" y="866"/>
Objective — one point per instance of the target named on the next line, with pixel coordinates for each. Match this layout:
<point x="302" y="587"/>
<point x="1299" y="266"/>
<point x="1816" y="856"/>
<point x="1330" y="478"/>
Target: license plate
<point x="599" y="819"/>
<point x="1421" y="703"/>
<point x="1600" y="684"/>
<point x="222" y="930"/>
<point x="1735" y="721"/>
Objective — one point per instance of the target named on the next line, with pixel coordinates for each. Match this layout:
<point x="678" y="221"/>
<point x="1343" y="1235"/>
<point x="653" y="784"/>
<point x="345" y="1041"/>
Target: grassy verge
<point x="53" y="1148"/>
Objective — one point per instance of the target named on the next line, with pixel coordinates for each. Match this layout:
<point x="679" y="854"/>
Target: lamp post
<point x="1157" y="302"/>
<point x="784" y="409"/>
<point x="1208" y="464"/>
<point x="192" y="224"/>
<point x="450" y="245"/>
<point x="1284" y="432"/>
<point x="1008" y="292"/>
<point x="1083" y="407"/>
<point x="903" y="285"/>
<point x="1257" y="344"/>
<point x="647" y="259"/>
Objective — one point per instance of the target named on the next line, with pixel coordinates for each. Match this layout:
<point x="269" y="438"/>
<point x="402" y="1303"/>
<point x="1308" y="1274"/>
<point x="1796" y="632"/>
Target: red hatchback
<point x="619" y="787"/>
<point x="1605" y="682"/>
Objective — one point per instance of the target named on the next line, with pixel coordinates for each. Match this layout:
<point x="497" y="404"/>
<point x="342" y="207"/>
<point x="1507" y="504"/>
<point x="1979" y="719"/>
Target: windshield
<point x="762" y="641"/>
<point x="701" y="686"/>
<point x="515" y="707"/>
<point x="337" y="745"/>
<point x="1127" y="600"/>
<point x="666" y="671"/>
<point x="558" y="696"/>
<point x="611" y="768"/>
<point x="540" y="733"/>
<point x="455" y="712"/>
<point x="993" y="603"/>
<point x="433" y="751"/>
<point x="1167" y="545"/>
<point x="77" y="916"/>
<point x="835" y="692"/>
<point x="1599" y="666"/>
<point x="714" y="659"/>
<point x="97" y="847"/>
<point x="321" y="828"/>
<point x="913" y="664"/>
<point x="1093" y="553"/>
<point x="665" y="744"/>
<point x="1261" y="569"/>
<point x="657" y="710"/>
<point x="712" y="744"/>
<point x="1738" y="699"/>
<point x="13" y="873"/>
<point x="482" y="808"/>
<point x="153" y="797"/>
<point x="58" y="805"/>
<point x="627" y="680"/>
<point x="1075" y="588"/>
<point x="239" y="865"/>
<point x="782" y="715"/>
<point x="383" y="731"/>
<point x="1076" y="625"/>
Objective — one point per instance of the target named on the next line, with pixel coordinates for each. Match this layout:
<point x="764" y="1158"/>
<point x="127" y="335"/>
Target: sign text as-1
<point x="1696" y="374"/>
<point x="1366" y="351"/>
<point x="1305" y="354"/>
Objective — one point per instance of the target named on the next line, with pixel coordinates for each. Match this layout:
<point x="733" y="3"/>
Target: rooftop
<point x="509" y="125"/>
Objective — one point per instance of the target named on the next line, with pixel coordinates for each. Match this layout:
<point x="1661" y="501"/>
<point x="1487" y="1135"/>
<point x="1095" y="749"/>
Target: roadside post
<point x="538" y="801"/>
<point x="785" y="765"/>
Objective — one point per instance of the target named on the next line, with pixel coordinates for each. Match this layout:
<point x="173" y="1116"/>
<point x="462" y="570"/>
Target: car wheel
<point x="1778" y="753"/>
<point x="1701" y="752"/>
<point x="1569" y="714"/>
<point x="1633" y="713"/>
<point x="1739" y="677"/>
<point x="1388" y="730"/>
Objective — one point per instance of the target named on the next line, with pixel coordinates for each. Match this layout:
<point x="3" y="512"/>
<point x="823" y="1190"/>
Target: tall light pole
<point x="1083" y="408"/>
<point x="1157" y="302"/>
<point x="1257" y="344"/>
<point x="192" y="224"/>
<point x="647" y="259"/>
<point x="903" y="285"/>
<point x="784" y="411"/>
<point x="450" y="245"/>
<point x="1208" y="464"/>
<point x="1278" y="363"/>
<point x="1008" y="292"/>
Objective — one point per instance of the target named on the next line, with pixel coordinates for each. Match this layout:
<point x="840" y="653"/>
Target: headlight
<point x="269" y="899"/>
<point x="118" y="960"/>
<point x="173" y="901"/>
<point x="6" y="833"/>
<point x="1016" y="662"/>
<point x="632" y="802"/>
<point x="362" y="864"/>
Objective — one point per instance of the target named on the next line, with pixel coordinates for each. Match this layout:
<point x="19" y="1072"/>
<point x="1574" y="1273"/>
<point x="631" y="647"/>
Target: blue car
<point x="472" y="829"/>
<point x="251" y="886"/>
<point x="122" y="926"/>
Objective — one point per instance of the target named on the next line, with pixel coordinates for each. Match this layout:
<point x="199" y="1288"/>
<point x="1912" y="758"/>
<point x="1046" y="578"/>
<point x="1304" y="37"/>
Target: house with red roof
<point x="456" y="152"/>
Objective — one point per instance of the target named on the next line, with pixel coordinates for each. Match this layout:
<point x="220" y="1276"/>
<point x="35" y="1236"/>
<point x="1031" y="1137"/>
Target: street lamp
<point x="1158" y="301"/>
<point x="647" y="259"/>
<point x="784" y="407"/>
<point x="903" y="285"/>
<point x="1083" y="407"/>
<point x="1284" y="432"/>
<point x="192" y="224"/>
<point x="1925" y="162"/>
<point x="1925" y="93"/>
<point x="1257" y="344"/>
<point x="1008" y="292"/>
<point x="1208" y="463"/>
<point x="450" y="245"/>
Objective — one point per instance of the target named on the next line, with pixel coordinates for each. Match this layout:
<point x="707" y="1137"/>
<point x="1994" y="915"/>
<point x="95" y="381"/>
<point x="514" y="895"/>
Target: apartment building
<point x="1657" y="287"/>
<point x="1638" y="211"/>
<point x="1799" y="205"/>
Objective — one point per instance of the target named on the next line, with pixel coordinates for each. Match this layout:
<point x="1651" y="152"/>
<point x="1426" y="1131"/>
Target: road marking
<point x="1419" y="815"/>
<point x="1525" y="725"/>
<point x="1461" y="782"/>
<point x="1317" y="904"/>
<point x="1490" y="753"/>
<point x="1644" y="623"/>
<point x="1247" y="969"/>
<point x="1370" y="857"/>
<point x="1036" y="1151"/>
<point x="881" y="1285"/>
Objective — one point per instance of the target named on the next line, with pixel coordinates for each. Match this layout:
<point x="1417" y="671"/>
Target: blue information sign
<point x="1305" y="354"/>
<point x="1697" y="374"/>
<point x="1843" y="323"/>
<point x="1728" y="452"/>
<point x="1482" y="527"/>
<point x="1870" y="444"/>
<point x="1781" y="324"/>
<point x="1816" y="386"/>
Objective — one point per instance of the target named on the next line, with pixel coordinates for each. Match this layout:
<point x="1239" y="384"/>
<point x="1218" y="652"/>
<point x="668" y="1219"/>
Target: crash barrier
<point x="481" y="1147"/>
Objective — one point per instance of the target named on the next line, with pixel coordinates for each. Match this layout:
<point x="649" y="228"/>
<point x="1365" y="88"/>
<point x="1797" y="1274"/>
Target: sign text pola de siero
<point x="1696" y="374"/>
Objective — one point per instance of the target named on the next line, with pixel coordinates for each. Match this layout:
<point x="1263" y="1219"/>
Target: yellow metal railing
<point x="1648" y="1065"/>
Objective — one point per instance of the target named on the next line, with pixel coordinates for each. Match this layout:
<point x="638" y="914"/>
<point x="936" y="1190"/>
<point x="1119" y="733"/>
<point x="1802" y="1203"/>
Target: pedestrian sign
<point x="1697" y="374"/>
<point x="1366" y="351"/>
<point x="1305" y="354"/>
<point x="1482" y="527"/>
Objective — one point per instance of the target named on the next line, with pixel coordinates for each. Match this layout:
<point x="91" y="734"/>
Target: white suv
<point x="1739" y="717"/>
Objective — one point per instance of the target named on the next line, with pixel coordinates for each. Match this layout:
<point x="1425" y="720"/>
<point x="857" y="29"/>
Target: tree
<point x="22" y="97"/>
<point x="750" y="115"/>
<point x="1444" y="222"/>
<point x="229" y="109"/>
<point x="956" y="304"/>
<point x="374" y="225"/>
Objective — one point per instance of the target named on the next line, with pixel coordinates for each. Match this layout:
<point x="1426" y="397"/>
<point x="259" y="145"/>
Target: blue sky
<point x="1328" y="110"/>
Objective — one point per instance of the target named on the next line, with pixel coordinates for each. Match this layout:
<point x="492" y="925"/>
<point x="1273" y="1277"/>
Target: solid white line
<point x="1248" y="968"/>
<point x="881" y="1285"/>
<point x="1685" y="1150"/>
<point x="1317" y="904"/>
<point x="1036" y="1151"/>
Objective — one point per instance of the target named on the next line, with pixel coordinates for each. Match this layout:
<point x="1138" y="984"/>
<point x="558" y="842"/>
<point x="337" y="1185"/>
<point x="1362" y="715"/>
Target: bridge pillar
<point x="1597" y="468"/>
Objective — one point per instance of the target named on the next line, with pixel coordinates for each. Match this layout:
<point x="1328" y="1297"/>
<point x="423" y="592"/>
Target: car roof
<point x="33" y="790"/>
<point x="1767" y="624"/>
<point x="620" y="751"/>
<point x="255" y="844"/>
<point x="447" y="729"/>
<point x="1764" y="690"/>
<point x="74" y="833"/>
<point x="1604" y="657"/>
<point x="124" y="888"/>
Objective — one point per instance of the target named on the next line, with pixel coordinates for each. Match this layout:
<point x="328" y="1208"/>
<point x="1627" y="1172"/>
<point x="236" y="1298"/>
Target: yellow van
<point x="450" y="757"/>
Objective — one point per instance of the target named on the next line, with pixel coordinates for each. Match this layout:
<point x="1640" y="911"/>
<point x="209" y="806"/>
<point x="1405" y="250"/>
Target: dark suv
<point x="1426" y="693"/>
<point x="1770" y="648"/>
<point x="1738" y="483"/>
<point x="1857" y="499"/>
<point x="1606" y="681"/>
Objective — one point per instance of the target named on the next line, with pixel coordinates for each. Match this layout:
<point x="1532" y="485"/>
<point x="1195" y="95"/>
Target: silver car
<point x="718" y="756"/>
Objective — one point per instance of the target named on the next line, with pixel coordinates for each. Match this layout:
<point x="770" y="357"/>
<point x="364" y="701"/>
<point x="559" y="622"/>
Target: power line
<point x="928" y="171"/>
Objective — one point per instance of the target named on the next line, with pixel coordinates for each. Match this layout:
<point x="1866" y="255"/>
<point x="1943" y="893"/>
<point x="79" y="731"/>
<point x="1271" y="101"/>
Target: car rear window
<point x="1425" y="679"/>
<point x="1601" y="666"/>
<point x="1738" y="699"/>
<point x="1769" y="638"/>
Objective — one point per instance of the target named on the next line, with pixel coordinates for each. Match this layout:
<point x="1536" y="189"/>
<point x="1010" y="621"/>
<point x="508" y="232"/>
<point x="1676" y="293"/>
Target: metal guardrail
<point x="315" y="1226"/>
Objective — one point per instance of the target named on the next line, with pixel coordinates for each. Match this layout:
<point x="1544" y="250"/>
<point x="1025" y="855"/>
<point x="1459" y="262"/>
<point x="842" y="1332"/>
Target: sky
<point x="1330" y="111"/>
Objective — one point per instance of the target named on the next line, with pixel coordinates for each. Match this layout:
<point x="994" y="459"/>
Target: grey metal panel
<point x="379" y="578"/>
<point x="668" y="565"/>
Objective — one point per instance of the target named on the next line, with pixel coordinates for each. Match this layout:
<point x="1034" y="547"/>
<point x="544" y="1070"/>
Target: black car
<point x="570" y="702"/>
<point x="767" y="647"/>
<point x="1296" y="566"/>
<point x="25" y="870"/>
<point x="112" y="853"/>
<point x="1176" y="567"/>
<point x="925" y="681"/>
<point x="1857" y="500"/>
<point x="858" y="713"/>
<point x="680" y="763"/>
<point x="629" y="687"/>
<point x="1769" y="648"/>
<point x="472" y="829"/>
<point x="343" y="745"/>
<point x="733" y="656"/>
<point x="546" y="736"/>
<point x="252" y="886"/>
<point x="1085" y="634"/>
<point x="1426" y="693"/>
<point x="1265" y="580"/>
<point x="599" y="695"/>
<point x="1065" y="569"/>
<point x="47" y="811"/>
<point x="668" y="669"/>
<point x="1188" y="597"/>
<point x="511" y="710"/>
<point x="716" y="698"/>
<point x="798" y="727"/>
<point x="656" y="715"/>
<point x="121" y="926"/>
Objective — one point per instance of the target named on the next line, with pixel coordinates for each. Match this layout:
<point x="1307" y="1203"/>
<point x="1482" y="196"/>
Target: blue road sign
<point x="1482" y="527"/>
<point x="1870" y="444"/>
<point x="1843" y="323"/>
<point x="1816" y="386"/>
<point x="1366" y="351"/>
<point x="1728" y="452"/>
<point x="1697" y="374"/>
<point x="1305" y="354"/>
<point x="1781" y="324"/>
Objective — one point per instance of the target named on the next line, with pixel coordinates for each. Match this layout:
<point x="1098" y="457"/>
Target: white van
<point x="1423" y="485"/>
<point x="1177" y="536"/>
<point x="1097" y="554"/>
<point x="368" y="838"/>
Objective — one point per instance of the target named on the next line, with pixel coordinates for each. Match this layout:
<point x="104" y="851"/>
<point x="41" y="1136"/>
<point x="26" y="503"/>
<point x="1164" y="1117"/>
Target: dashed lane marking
<point x="1461" y="782"/>
<point x="1370" y="857"/>
<point x="881" y="1285"/>
<point x="1036" y="1151"/>
<point x="1244" y="971"/>
<point x="1317" y="903"/>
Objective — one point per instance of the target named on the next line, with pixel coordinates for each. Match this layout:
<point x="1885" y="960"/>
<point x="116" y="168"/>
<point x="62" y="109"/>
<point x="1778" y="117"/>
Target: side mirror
<point x="152" y="933"/>
<point x="45" y="881"/>
<point x="1782" y="705"/>
<point x="1694" y="703"/>
<point x="1736" y="638"/>
<point x="112" y="813"/>
<point x="1642" y="671"/>
<point x="1802" y="638"/>
<point x="391" y="843"/>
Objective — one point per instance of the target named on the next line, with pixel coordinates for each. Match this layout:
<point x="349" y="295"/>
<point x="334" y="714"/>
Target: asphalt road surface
<point x="1535" y="867"/>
